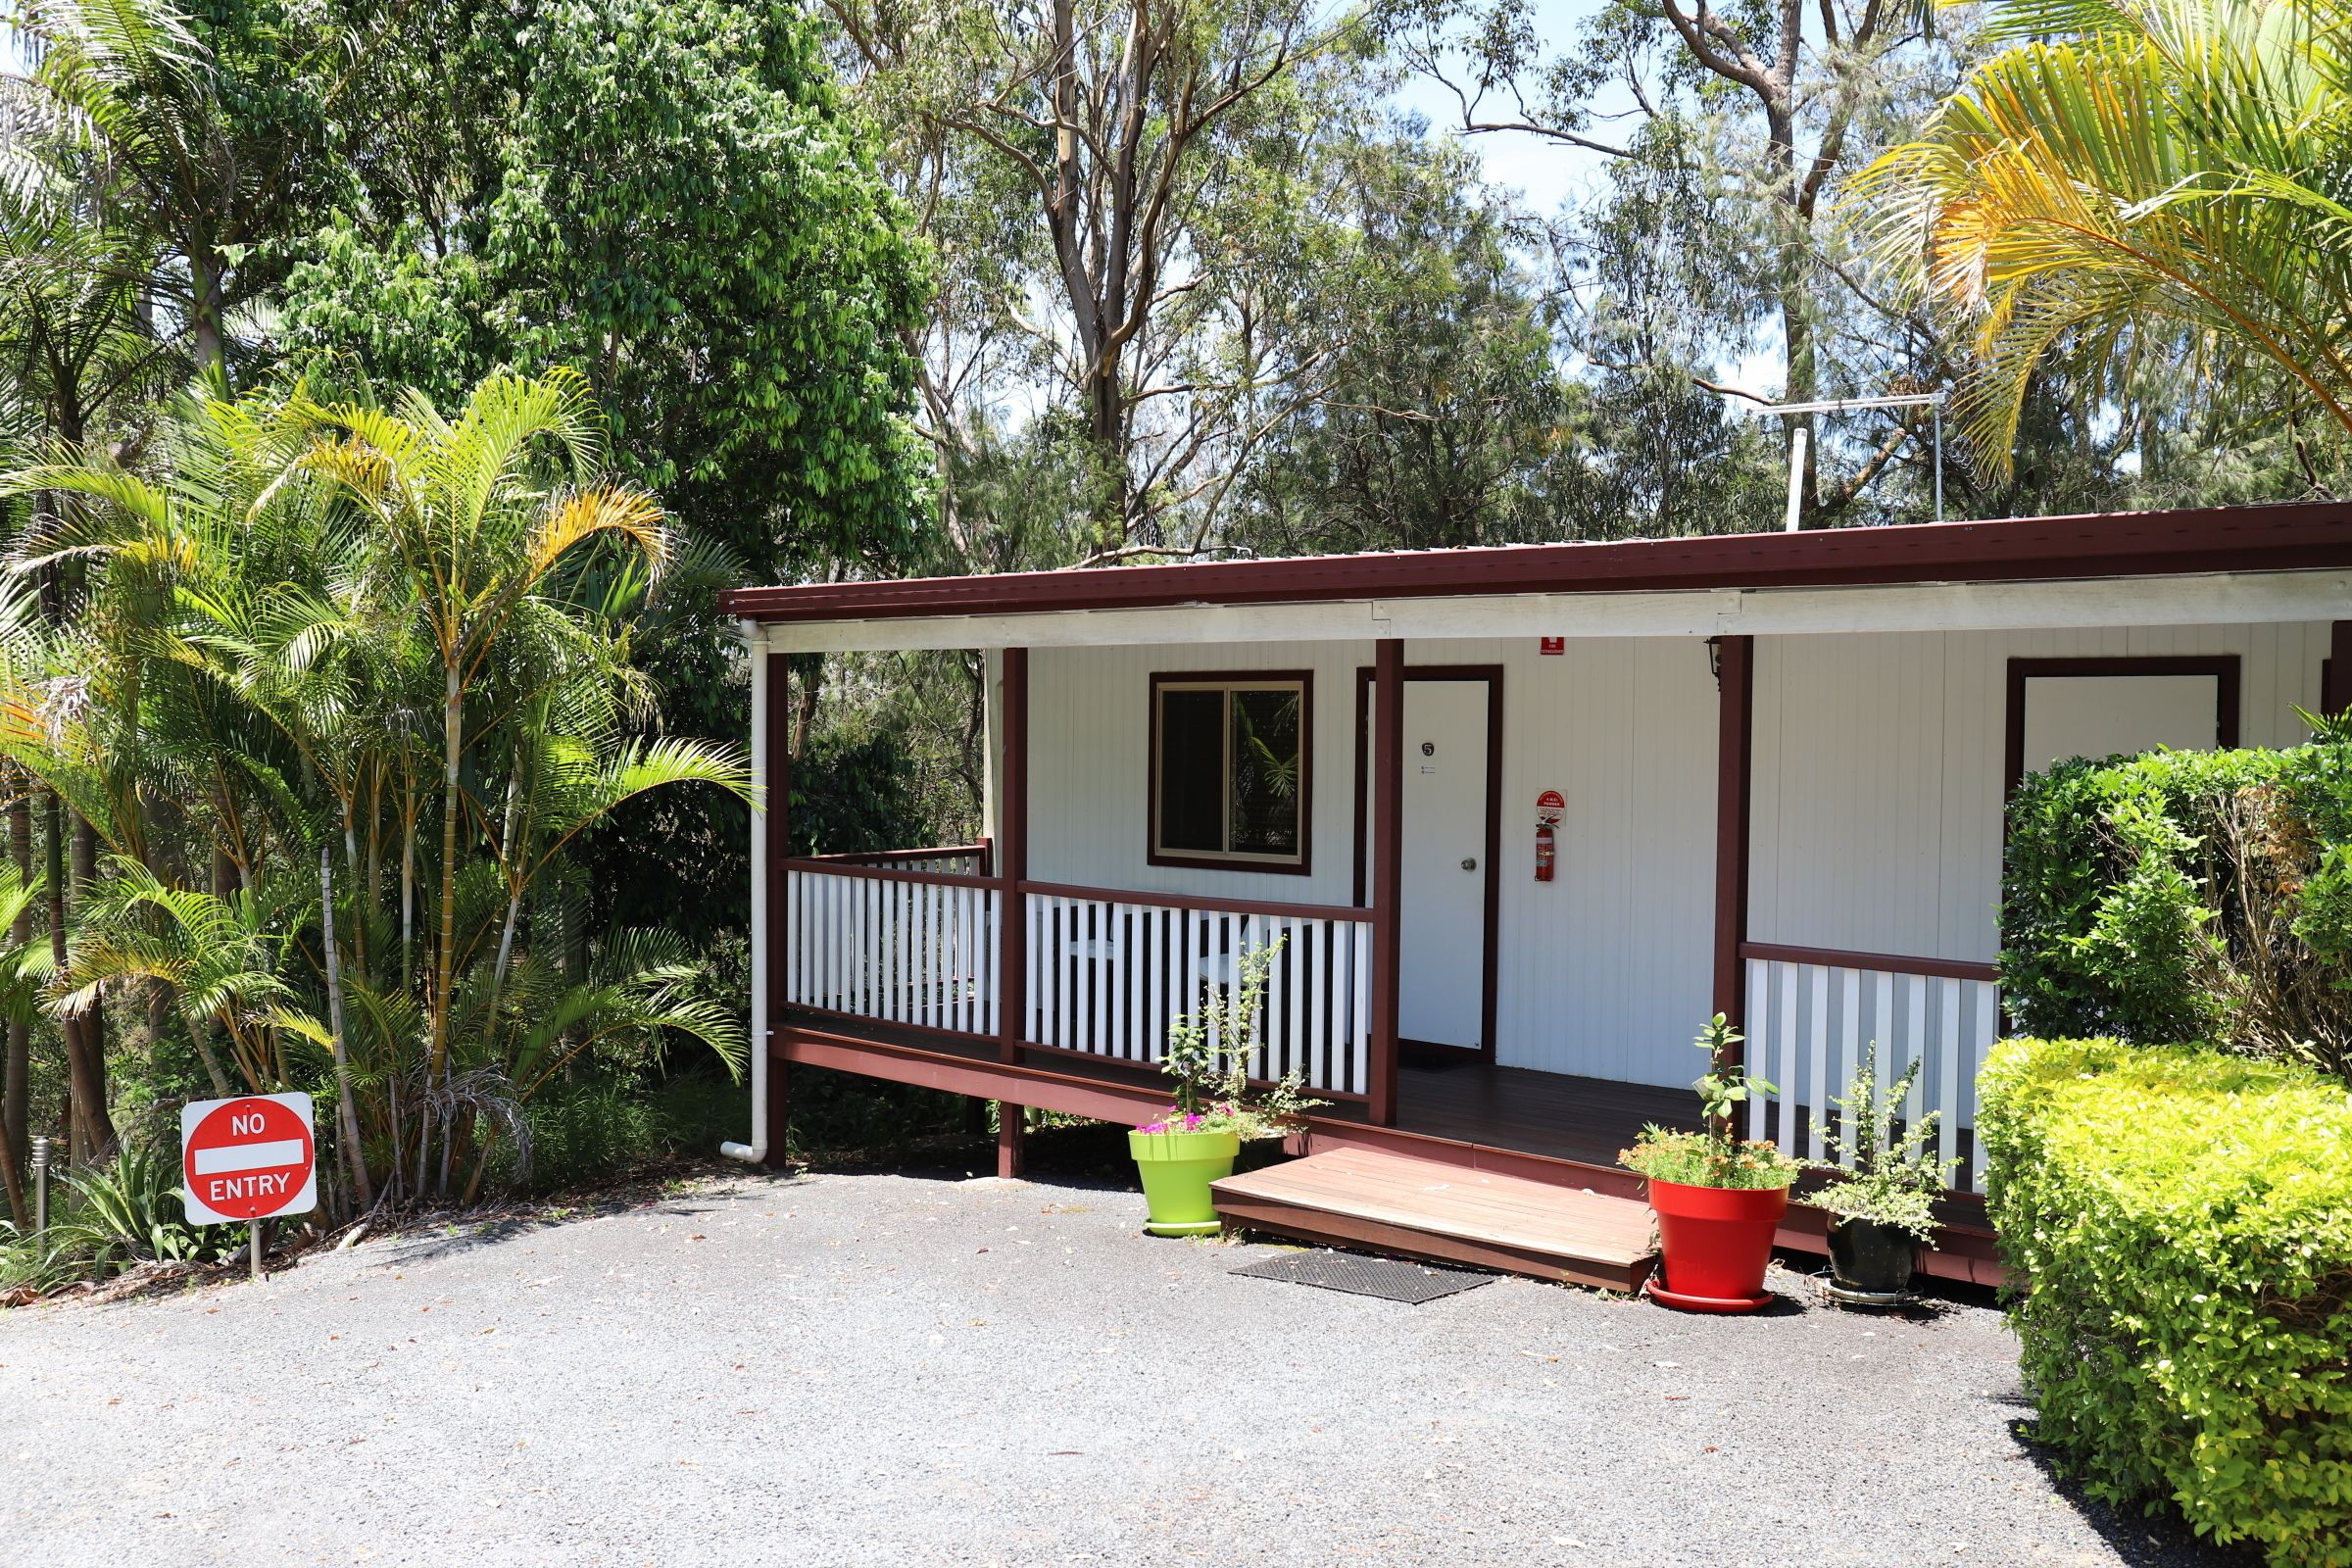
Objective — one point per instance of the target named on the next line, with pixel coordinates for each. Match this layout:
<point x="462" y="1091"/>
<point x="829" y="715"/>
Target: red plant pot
<point x="1717" y="1241"/>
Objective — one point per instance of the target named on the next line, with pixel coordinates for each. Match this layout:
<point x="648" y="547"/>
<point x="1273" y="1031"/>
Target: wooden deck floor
<point x="1391" y="1203"/>
<point x="1549" y="1113"/>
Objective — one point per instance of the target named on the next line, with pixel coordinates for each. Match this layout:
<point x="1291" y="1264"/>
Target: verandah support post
<point x="1735" y="747"/>
<point x="777" y="845"/>
<point x="1387" y="853"/>
<point x="1012" y="914"/>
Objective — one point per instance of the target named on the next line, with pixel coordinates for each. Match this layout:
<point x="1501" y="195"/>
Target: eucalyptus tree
<point x="1761" y="108"/>
<point x="2127" y="180"/>
<point x="1119" y="140"/>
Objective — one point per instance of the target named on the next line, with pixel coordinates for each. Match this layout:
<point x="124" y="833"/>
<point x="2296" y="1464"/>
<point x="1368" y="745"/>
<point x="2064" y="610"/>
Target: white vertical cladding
<point x="1089" y="741"/>
<point x="1880" y="761"/>
<point x="1604" y="971"/>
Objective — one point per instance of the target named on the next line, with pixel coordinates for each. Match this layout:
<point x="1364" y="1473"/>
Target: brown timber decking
<point x="1544" y="1131"/>
<point x="1387" y="1203"/>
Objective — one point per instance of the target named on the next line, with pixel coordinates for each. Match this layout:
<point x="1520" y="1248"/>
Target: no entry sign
<point x="247" y="1158"/>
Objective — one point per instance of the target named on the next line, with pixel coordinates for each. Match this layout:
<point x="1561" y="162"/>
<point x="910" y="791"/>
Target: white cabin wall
<point x="1604" y="971"/>
<point x="1883" y="834"/>
<point x="1090" y="742"/>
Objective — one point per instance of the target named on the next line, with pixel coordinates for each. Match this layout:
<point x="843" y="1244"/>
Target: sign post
<point x="248" y="1159"/>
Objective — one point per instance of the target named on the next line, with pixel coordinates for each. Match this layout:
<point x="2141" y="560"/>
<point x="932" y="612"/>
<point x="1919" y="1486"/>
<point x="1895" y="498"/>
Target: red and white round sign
<point x="250" y="1157"/>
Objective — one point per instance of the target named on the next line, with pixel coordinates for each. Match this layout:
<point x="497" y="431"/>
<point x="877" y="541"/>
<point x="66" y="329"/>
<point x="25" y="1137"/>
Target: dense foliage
<point x="2179" y="1226"/>
<point x="349" y="685"/>
<point x="2185" y="895"/>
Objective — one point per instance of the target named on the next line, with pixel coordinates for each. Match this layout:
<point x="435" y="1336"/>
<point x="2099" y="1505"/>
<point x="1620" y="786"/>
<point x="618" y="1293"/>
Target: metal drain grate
<point x="1392" y="1279"/>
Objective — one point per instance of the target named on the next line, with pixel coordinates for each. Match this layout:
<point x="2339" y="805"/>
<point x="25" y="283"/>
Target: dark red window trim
<point x="1304" y="679"/>
<point x="2223" y="667"/>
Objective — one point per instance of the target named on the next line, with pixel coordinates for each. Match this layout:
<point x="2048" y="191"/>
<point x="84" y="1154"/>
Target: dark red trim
<point x="2287" y="537"/>
<point x="1192" y="901"/>
<point x="2223" y="667"/>
<point x="1304" y="864"/>
<point x="1387" y="884"/>
<point x="1012" y="861"/>
<point x="1103" y="1098"/>
<point x="1878" y="962"/>
<point x="2336" y="670"/>
<point x="902" y="857"/>
<point x="819" y="865"/>
<point x="1150" y="1072"/>
<point x="1735" y="762"/>
<point x="1491" y="956"/>
<point x="1012" y="1137"/>
<point x="776" y="670"/>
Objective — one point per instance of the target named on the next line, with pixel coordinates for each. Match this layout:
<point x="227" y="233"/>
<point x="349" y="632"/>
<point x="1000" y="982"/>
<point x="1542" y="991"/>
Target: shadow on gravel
<point x="454" y="1237"/>
<point x="2161" y="1540"/>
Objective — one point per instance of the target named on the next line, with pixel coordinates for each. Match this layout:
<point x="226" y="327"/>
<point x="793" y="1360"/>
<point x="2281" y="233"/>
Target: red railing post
<point x="1735" y="747"/>
<point x="1388" y="854"/>
<point x="1011" y="853"/>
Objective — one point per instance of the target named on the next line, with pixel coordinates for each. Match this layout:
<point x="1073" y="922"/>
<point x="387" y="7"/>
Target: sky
<point x="1546" y="173"/>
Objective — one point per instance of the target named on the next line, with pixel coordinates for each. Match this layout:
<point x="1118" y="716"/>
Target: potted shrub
<point x="1718" y="1197"/>
<point x="1882" y="1198"/>
<point x="1197" y="1141"/>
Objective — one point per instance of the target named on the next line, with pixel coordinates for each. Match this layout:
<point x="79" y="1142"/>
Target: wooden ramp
<point x="1389" y="1202"/>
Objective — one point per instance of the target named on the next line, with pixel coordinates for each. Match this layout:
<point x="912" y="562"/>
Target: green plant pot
<point x="1177" y="1168"/>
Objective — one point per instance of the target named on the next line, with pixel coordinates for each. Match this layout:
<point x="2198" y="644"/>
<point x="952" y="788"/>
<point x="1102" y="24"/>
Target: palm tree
<point x="2129" y="168"/>
<point x="290" y="615"/>
<point x="211" y="151"/>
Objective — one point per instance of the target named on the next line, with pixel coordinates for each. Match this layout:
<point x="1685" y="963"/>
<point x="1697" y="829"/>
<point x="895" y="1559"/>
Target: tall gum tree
<point x="1776" y="97"/>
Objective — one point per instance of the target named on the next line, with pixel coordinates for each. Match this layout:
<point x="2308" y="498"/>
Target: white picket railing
<point x="903" y="947"/>
<point x="1808" y="1024"/>
<point x="1109" y="973"/>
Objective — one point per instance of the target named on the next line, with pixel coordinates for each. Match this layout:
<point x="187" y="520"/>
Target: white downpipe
<point x="1796" y="479"/>
<point x="756" y="1152"/>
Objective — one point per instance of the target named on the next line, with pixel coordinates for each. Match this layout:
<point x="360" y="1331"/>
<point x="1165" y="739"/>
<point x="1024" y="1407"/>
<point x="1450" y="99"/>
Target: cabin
<point x="1512" y="822"/>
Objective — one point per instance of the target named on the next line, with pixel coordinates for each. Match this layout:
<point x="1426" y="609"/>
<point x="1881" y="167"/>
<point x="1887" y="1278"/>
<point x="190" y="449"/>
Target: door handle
<point x="1469" y="862"/>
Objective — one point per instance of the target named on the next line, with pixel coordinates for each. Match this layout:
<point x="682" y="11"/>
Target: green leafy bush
<point x="2177" y="1224"/>
<point x="107" y="1218"/>
<point x="2185" y="895"/>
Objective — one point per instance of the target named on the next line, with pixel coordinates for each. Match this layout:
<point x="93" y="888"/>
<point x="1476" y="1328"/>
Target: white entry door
<point x="1441" y="981"/>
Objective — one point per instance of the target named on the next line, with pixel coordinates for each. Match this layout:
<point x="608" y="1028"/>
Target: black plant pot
<point x="1867" y="1254"/>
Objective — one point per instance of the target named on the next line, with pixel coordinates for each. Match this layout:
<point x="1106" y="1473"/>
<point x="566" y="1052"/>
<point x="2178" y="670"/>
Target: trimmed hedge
<point x="2177" y="1224"/>
<point x="2184" y="896"/>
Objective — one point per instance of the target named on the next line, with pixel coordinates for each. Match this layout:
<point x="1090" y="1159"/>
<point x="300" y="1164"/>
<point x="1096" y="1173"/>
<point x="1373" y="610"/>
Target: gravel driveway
<point x="885" y="1369"/>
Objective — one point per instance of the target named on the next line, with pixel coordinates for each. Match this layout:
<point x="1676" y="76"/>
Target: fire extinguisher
<point x="1549" y="807"/>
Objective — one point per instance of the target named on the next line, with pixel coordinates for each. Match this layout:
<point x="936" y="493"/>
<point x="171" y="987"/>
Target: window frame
<point x="2221" y="667"/>
<point x="1228" y="681"/>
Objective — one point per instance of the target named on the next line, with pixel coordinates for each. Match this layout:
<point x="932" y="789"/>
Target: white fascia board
<point x="2208" y="599"/>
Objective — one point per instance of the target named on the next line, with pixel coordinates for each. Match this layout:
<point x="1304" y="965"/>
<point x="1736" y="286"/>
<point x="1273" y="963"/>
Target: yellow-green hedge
<point x="2177" y="1223"/>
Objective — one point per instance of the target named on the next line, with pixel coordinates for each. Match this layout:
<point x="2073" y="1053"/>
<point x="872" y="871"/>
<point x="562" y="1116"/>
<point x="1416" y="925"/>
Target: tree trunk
<point x="16" y="1095"/>
<point x="203" y="314"/>
<point x="445" y="961"/>
<point x="92" y="1097"/>
<point x="346" y="1109"/>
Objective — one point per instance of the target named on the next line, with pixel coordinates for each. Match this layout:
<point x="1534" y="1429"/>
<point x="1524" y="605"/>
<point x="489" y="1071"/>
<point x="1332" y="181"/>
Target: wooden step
<point x="1389" y="1202"/>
